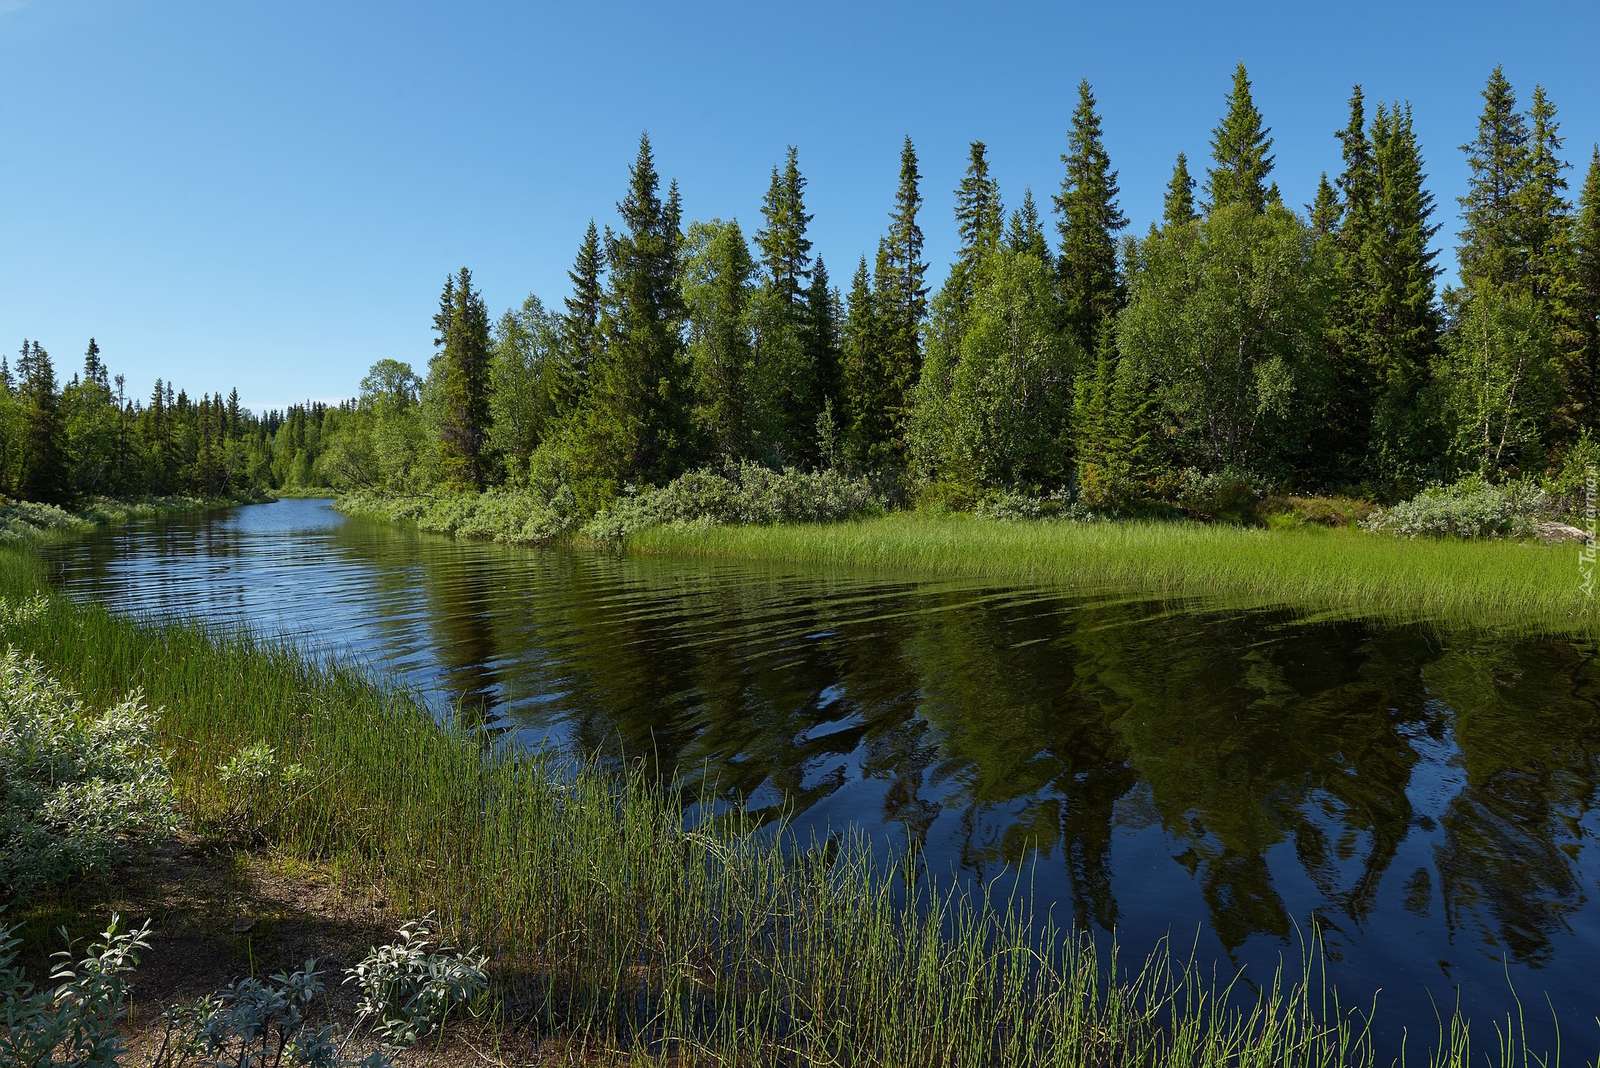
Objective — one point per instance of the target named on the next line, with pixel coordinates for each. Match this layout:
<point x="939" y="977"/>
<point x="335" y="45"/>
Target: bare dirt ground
<point x="218" y="913"/>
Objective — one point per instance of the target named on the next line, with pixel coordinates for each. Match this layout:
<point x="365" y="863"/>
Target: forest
<point x="1309" y="349"/>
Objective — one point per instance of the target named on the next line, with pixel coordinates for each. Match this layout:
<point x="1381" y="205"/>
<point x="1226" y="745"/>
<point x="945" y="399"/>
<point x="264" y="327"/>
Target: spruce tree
<point x="1581" y="343"/>
<point x="43" y="475"/>
<point x="463" y="387"/>
<point x="580" y="326"/>
<point x="717" y="283"/>
<point x="1178" y="207"/>
<point x="1350" y="327"/>
<point x="822" y="324"/>
<point x="1325" y="211"/>
<point x="94" y="369"/>
<point x="979" y="216"/>
<point x="785" y="248"/>
<point x="637" y="425"/>
<point x="1088" y="221"/>
<point x="1025" y="233"/>
<point x="1491" y="249"/>
<point x="864" y="410"/>
<point x="1241" y="148"/>
<point x="900" y="301"/>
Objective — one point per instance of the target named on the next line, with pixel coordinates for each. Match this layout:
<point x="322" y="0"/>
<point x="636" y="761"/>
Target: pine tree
<point x="1491" y="249"/>
<point x="785" y="248"/>
<point x="43" y="475"/>
<point x="463" y="387"/>
<point x="638" y="421"/>
<point x="1581" y="343"/>
<point x="1088" y="222"/>
<point x="1242" y="150"/>
<point x="1325" y="211"/>
<point x="1026" y="233"/>
<point x="900" y="300"/>
<point x="580" y="326"/>
<point x="1178" y="207"/>
<point x="979" y="216"/>
<point x="864" y="411"/>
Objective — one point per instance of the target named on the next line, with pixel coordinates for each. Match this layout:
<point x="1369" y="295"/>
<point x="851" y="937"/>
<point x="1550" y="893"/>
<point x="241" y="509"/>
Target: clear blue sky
<point x="268" y="194"/>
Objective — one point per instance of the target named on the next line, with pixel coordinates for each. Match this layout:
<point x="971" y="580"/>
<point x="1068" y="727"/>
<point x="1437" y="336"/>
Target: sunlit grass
<point x="1488" y="583"/>
<point x="624" y="928"/>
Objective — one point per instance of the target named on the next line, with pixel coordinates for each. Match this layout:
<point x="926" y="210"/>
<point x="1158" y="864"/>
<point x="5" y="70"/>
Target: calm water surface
<point x="1429" y="796"/>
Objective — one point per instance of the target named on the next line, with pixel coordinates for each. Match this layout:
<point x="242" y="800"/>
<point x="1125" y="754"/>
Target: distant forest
<point x="1306" y="345"/>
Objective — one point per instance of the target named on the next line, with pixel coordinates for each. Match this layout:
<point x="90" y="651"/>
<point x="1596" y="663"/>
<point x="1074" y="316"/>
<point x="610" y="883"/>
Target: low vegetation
<point x="25" y="521"/>
<point x="635" y="930"/>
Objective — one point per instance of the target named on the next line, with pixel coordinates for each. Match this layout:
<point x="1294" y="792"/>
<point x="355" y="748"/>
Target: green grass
<point x="304" y="492"/>
<point x="622" y="928"/>
<point x="1483" y="583"/>
<point x="31" y="522"/>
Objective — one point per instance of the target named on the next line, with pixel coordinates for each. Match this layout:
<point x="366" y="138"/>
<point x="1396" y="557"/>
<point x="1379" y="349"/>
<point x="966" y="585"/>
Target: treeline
<point x="88" y="439"/>
<point x="1239" y="337"/>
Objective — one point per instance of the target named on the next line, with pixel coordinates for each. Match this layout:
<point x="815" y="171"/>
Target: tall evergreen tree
<point x="718" y="277"/>
<point x="580" y="326"/>
<point x="900" y="299"/>
<point x="822" y="325"/>
<point x="785" y="248"/>
<point x="43" y="475"/>
<point x="1325" y="211"/>
<point x="1088" y="221"/>
<point x="979" y="216"/>
<point x="1491" y="250"/>
<point x="864" y="411"/>
<point x="1026" y="233"/>
<point x="1178" y="206"/>
<point x="463" y="387"/>
<point x="1241" y="148"/>
<point x="638" y="420"/>
<point x="1581" y="344"/>
<point x="94" y="369"/>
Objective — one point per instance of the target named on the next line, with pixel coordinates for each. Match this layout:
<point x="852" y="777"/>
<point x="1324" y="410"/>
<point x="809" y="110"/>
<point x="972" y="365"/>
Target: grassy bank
<point x="29" y="521"/>
<point x="627" y="931"/>
<point x="1491" y="583"/>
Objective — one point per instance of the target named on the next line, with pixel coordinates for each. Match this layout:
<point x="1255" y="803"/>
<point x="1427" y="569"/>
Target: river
<point x="1428" y="796"/>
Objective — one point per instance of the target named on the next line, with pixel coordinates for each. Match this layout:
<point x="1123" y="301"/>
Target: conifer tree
<point x="789" y="395"/>
<point x="1026" y="233"/>
<point x="1088" y="221"/>
<point x="822" y="324"/>
<point x="785" y="248"/>
<point x="900" y="300"/>
<point x="463" y="387"/>
<point x="979" y="216"/>
<point x="1178" y="207"/>
<point x="1325" y="211"/>
<point x="864" y="411"/>
<point x="580" y="326"/>
<point x="1580" y="354"/>
<point x="637" y="425"/>
<point x="1492" y="247"/>
<point x="1241" y="148"/>
<point x="94" y="370"/>
<point x="717" y="282"/>
<point x="43" y="475"/>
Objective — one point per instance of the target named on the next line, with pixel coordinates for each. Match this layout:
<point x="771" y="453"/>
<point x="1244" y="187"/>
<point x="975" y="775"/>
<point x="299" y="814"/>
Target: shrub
<point x="749" y="493"/>
<point x="75" y="1022"/>
<point x="1057" y="505"/>
<point x="1568" y="486"/>
<point x="1470" y="508"/>
<point x="1293" y="511"/>
<point x="1229" y="495"/>
<point x="408" y="988"/>
<point x="76" y="789"/>
<point x="258" y="785"/>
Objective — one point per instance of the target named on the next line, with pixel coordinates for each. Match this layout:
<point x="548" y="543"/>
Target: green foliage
<point x="1241" y="151"/>
<point x="748" y="493"/>
<point x="1088" y="223"/>
<point x="461" y="383"/>
<point x="1228" y="496"/>
<point x="410" y="987"/>
<point x="1571" y="487"/>
<point x="77" y="789"/>
<point x="75" y="1021"/>
<point x="1497" y="381"/>
<point x="1224" y="321"/>
<point x="1469" y="508"/>
<point x="718" y="275"/>
<point x="1177" y="207"/>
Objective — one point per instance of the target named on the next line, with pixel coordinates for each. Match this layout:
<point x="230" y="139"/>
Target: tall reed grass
<point x="1491" y="583"/>
<point x="632" y="931"/>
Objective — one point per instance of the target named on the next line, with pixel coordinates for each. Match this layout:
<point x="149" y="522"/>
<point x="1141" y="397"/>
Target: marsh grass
<point x="626" y="929"/>
<point x="1517" y="585"/>
<point x="29" y="522"/>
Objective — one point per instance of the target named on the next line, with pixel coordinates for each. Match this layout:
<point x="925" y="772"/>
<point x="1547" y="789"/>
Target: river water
<point x="1427" y="796"/>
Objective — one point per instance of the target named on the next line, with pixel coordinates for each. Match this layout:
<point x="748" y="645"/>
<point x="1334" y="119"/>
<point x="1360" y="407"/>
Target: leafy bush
<point x="1229" y="495"/>
<point x="518" y="516"/>
<point x="749" y="493"/>
<point x="1294" y="511"/>
<point x="75" y="1022"/>
<point x="409" y="987"/>
<point x="258" y="785"/>
<point x="76" y="789"/>
<point x="1568" y="486"/>
<point x="1057" y="505"/>
<point x="1470" y="508"/>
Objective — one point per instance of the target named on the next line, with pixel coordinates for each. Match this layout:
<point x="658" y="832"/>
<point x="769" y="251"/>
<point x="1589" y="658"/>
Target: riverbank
<point x="617" y="929"/>
<point x="30" y="521"/>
